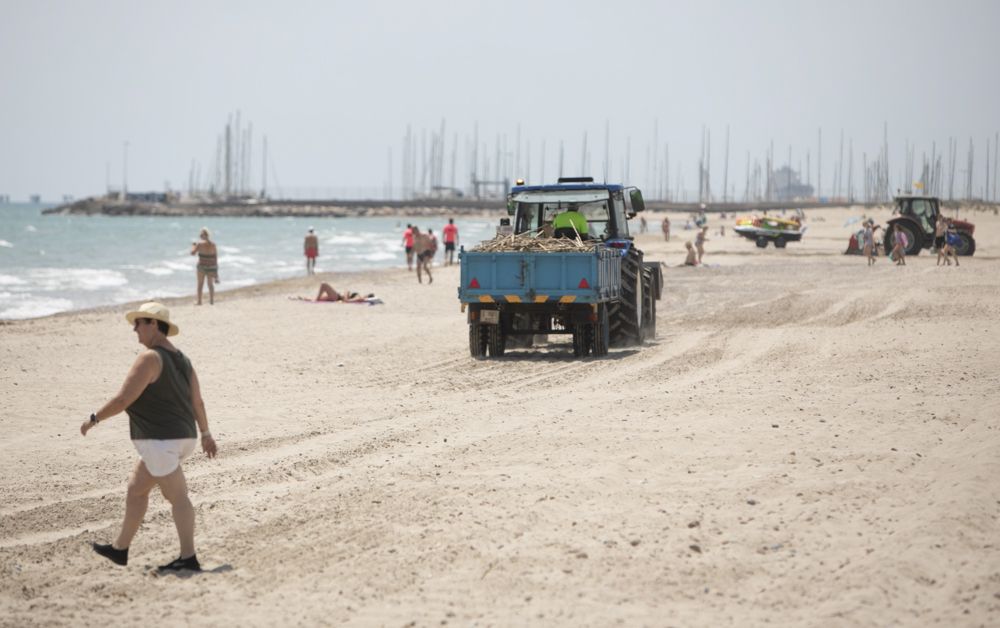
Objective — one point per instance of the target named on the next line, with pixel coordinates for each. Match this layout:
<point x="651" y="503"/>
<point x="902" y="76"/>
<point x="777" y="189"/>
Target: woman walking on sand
<point x="208" y="264"/>
<point x="899" y="246"/>
<point x="869" y="242"/>
<point x="162" y="398"/>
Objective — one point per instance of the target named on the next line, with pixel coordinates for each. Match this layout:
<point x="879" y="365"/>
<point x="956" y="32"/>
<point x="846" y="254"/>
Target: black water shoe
<point x="117" y="556"/>
<point x="191" y="564"/>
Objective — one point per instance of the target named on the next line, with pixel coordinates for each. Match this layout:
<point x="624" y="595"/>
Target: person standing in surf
<point x="208" y="264"/>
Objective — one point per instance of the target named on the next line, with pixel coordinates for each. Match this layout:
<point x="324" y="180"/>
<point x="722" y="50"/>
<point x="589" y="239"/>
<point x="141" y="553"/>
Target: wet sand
<point x="807" y="442"/>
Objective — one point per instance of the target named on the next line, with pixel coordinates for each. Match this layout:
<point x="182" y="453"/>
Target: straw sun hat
<point x="155" y="311"/>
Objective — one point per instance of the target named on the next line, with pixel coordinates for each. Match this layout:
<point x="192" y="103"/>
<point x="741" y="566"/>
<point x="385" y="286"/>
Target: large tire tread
<point x="477" y="340"/>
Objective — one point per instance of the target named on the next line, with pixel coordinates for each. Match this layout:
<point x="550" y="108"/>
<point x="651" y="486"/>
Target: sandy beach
<point x="807" y="442"/>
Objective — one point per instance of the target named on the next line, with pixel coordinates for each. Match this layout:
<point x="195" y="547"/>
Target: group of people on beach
<point x="946" y="240"/>
<point x="696" y="249"/>
<point x="422" y="247"/>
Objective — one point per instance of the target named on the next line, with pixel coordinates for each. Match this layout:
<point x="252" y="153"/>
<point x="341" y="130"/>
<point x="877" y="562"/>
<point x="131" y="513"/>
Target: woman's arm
<point x="194" y="248"/>
<point x="207" y="442"/>
<point x="144" y="371"/>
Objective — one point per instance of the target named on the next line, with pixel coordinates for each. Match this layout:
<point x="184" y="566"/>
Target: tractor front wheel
<point x="649" y="304"/>
<point x="761" y="242"/>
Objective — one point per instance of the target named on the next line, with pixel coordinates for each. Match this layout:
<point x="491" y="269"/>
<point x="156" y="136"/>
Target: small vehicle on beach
<point x="595" y="286"/>
<point x="916" y="216"/>
<point x="764" y="229"/>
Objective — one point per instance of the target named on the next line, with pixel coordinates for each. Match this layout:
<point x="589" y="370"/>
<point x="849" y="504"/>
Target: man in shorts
<point x="450" y="232"/>
<point x="311" y="247"/>
<point x="408" y="245"/>
<point x="422" y="246"/>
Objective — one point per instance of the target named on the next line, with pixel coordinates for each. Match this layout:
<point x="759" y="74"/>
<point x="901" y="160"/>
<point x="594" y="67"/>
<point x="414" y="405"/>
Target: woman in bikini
<point x="327" y="293"/>
<point x="208" y="264"/>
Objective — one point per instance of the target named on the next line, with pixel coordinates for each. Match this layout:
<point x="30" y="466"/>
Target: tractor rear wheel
<point x="761" y="242"/>
<point x="626" y="317"/>
<point x="780" y="242"/>
<point x="914" y="238"/>
<point x="966" y="244"/>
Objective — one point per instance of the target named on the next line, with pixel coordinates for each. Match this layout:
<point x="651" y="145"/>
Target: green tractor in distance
<point x="916" y="216"/>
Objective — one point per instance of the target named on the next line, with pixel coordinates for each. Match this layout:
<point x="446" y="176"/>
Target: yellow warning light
<point x="519" y="181"/>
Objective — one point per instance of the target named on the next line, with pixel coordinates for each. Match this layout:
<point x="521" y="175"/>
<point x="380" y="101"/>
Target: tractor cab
<point x="606" y="208"/>
<point x="923" y="210"/>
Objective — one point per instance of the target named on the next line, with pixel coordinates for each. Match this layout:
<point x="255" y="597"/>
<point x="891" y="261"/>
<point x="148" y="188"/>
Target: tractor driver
<point x="569" y="223"/>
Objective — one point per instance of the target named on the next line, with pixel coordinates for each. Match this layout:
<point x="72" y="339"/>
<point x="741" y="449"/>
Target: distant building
<point x="35" y="199"/>
<point x="788" y="186"/>
<point x="146" y="197"/>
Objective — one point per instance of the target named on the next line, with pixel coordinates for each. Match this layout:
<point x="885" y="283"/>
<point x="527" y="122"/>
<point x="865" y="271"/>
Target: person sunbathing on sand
<point x="327" y="293"/>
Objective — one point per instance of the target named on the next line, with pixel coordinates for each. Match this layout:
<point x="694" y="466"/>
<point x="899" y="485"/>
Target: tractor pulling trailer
<point x="601" y="291"/>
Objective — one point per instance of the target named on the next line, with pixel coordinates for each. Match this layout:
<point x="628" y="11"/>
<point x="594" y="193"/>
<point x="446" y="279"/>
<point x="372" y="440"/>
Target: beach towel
<point x="371" y="300"/>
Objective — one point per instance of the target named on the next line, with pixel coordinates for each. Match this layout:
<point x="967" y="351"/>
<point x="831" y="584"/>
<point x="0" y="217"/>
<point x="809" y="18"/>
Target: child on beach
<point x="699" y="242"/>
<point x="692" y="257"/>
<point x="951" y="241"/>
<point x="869" y="242"/>
<point x="433" y="245"/>
<point x="899" y="244"/>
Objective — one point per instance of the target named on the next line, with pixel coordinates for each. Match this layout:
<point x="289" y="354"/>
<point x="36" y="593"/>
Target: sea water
<point x="52" y="263"/>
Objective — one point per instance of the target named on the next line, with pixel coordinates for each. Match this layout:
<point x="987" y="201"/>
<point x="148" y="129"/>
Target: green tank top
<point x="569" y="219"/>
<point x="163" y="411"/>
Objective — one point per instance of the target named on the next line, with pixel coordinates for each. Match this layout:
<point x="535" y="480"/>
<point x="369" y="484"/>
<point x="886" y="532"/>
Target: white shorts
<point x="162" y="457"/>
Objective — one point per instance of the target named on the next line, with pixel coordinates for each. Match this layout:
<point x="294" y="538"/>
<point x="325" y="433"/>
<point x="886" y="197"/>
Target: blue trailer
<point x="599" y="294"/>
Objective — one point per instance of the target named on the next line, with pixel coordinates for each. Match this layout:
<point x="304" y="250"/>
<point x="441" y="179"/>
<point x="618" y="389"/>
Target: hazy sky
<point x="334" y="84"/>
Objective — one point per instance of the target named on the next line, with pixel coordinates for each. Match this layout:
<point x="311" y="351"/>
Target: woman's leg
<point x="174" y="489"/>
<point x="201" y="285"/>
<point x="211" y="290"/>
<point x="327" y="293"/>
<point x="140" y="483"/>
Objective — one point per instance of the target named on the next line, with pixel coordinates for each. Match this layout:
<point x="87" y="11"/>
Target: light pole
<point x="124" y="169"/>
